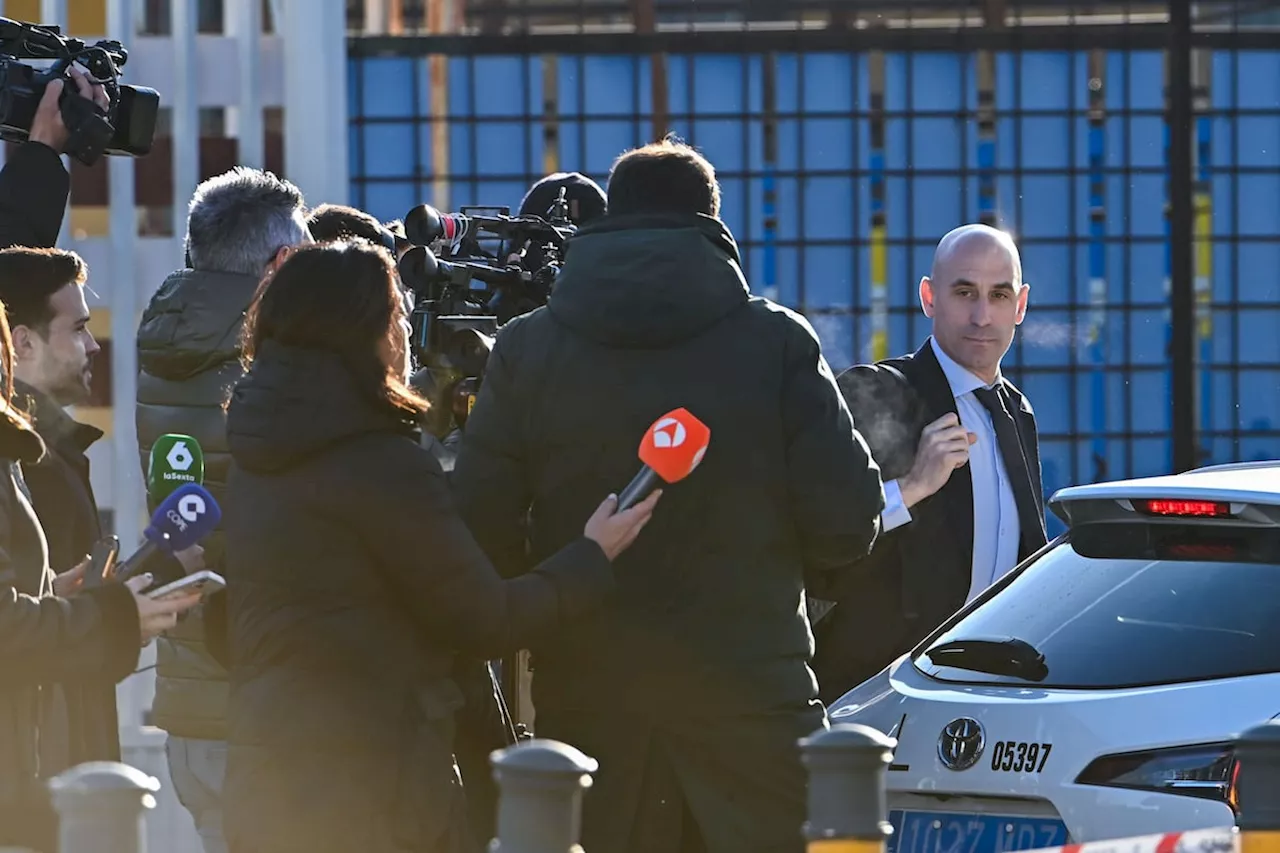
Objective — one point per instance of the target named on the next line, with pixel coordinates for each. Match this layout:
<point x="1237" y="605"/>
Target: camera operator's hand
<point x="615" y="531"/>
<point x="47" y="126"/>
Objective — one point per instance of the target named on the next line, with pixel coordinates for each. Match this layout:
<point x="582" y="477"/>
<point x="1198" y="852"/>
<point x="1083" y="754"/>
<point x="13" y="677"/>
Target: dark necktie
<point x="996" y="402"/>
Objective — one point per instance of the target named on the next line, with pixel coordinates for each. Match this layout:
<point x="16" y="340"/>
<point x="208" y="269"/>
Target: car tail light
<point x="1209" y="772"/>
<point x="1184" y="509"/>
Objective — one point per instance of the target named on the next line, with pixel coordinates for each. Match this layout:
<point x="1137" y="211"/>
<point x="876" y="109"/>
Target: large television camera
<point x="127" y="128"/>
<point x="471" y="272"/>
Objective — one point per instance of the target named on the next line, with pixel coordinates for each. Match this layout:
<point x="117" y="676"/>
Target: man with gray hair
<point x="240" y="226"/>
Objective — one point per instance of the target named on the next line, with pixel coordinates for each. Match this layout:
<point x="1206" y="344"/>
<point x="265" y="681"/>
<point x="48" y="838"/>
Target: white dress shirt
<point x="996" y="531"/>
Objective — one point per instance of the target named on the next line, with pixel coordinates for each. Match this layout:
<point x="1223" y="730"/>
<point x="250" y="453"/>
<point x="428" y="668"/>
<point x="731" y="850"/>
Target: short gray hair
<point x="239" y="220"/>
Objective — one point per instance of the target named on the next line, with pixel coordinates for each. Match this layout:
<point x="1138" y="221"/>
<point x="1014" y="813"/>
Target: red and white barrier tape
<point x="1225" y="840"/>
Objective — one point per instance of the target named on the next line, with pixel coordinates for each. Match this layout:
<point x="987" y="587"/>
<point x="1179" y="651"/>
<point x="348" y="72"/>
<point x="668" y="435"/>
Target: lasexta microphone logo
<point x="180" y="458"/>
<point x="175" y="461"/>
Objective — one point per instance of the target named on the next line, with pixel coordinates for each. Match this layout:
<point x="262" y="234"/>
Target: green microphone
<point x="176" y="460"/>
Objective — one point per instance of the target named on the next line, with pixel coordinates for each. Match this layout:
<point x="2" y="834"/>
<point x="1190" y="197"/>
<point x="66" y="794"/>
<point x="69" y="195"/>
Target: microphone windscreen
<point x="675" y="444"/>
<point x="184" y="518"/>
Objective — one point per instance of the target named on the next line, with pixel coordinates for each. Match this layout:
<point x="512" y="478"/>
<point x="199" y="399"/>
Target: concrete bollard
<point x="540" y="786"/>
<point x="846" y="766"/>
<point x="1258" y="789"/>
<point x="102" y="807"/>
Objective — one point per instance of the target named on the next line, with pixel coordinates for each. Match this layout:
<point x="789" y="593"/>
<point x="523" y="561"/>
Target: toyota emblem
<point x="961" y="743"/>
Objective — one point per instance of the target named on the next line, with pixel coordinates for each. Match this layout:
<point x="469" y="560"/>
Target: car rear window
<point x="1110" y="623"/>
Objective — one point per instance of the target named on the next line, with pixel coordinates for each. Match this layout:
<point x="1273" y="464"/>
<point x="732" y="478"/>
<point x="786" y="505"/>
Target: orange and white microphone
<point x="671" y="448"/>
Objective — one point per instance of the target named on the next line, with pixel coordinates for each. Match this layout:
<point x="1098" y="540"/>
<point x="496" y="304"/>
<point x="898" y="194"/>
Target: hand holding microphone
<point x="671" y="448"/>
<point x="614" y="531"/>
<point x="185" y="517"/>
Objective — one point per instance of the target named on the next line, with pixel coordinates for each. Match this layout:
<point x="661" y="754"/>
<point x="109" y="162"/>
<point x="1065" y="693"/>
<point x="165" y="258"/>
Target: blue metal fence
<point x="1079" y="180"/>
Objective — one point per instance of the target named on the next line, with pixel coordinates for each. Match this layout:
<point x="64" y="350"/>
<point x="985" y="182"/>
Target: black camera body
<point x="464" y="292"/>
<point x="127" y="127"/>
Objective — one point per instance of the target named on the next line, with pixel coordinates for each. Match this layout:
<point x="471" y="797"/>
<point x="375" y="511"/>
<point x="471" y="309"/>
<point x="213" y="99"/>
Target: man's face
<point x="976" y="299"/>
<point x="59" y="362"/>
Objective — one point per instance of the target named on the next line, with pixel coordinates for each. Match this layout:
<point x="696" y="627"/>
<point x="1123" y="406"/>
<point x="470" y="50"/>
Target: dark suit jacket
<point x="918" y="574"/>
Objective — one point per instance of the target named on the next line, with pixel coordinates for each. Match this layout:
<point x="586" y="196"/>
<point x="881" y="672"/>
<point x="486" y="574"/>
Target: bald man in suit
<point x="959" y="454"/>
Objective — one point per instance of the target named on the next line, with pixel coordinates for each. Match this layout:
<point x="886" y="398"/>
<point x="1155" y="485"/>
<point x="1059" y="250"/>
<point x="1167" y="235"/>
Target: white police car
<point x="1093" y="692"/>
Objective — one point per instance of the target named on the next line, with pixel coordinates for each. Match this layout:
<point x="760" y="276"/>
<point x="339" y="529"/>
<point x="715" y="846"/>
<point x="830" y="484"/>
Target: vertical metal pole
<point x="769" y="180"/>
<point x="439" y="21"/>
<point x="1098" y="257"/>
<point x="1202" y="63"/>
<point x="879" y="221"/>
<point x="102" y="807"/>
<point x="375" y="17"/>
<point x="540" y="784"/>
<point x="993" y="18"/>
<point x="316" y="129"/>
<point x="245" y="23"/>
<point x="55" y="12"/>
<point x="1258" y="788"/>
<point x="1181" y="235"/>
<point x="3" y="13"/>
<point x="127" y="480"/>
<point x="185" y="108"/>
<point x="644" y="20"/>
<point x="846" y="765"/>
<point x="550" y="114"/>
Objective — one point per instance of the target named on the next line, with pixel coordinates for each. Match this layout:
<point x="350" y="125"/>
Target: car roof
<point x="1241" y="482"/>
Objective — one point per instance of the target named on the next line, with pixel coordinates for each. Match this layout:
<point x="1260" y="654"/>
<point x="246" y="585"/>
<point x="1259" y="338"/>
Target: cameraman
<point x="34" y="184"/>
<point x="693" y="685"/>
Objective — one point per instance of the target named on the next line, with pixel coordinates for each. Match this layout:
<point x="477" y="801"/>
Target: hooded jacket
<point x="650" y="314"/>
<point x="351" y="584"/>
<point x="188" y="360"/>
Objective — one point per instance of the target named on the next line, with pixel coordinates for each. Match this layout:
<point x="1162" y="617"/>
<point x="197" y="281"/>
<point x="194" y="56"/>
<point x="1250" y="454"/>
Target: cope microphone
<point x="671" y="448"/>
<point x="175" y="460"/>
<point x="184" y="518"/>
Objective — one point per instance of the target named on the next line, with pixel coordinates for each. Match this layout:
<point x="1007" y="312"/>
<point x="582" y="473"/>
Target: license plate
<point x="955" y="832"/>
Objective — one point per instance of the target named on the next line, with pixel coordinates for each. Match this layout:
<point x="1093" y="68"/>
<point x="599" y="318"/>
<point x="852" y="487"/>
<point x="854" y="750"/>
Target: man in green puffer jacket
<point x="241" y="224"/>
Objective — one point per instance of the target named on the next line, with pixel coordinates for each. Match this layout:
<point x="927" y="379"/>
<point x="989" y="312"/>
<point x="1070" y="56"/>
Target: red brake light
<point x="1186" y="509"/>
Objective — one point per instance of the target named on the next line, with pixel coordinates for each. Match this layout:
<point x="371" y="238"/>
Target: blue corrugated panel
<point x="932" y="159"/>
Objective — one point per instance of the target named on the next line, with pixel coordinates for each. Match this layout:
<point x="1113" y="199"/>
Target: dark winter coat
<point x="46" y="644"/>
<point x="188" y="360"/>
<point x="351" y="583"/>
<point x="650" y="314"/>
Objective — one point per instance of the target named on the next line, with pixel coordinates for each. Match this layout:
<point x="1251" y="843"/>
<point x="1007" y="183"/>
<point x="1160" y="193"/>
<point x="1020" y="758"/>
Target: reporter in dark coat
<point x="94" y="636"/>
<point x="352" y="581"/>
<point x="43" y="292"/>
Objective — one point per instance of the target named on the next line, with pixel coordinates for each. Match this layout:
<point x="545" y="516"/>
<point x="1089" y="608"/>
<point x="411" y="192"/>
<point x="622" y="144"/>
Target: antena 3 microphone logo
<point x="675" y="445"/>
<point x="668" y="432"/>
